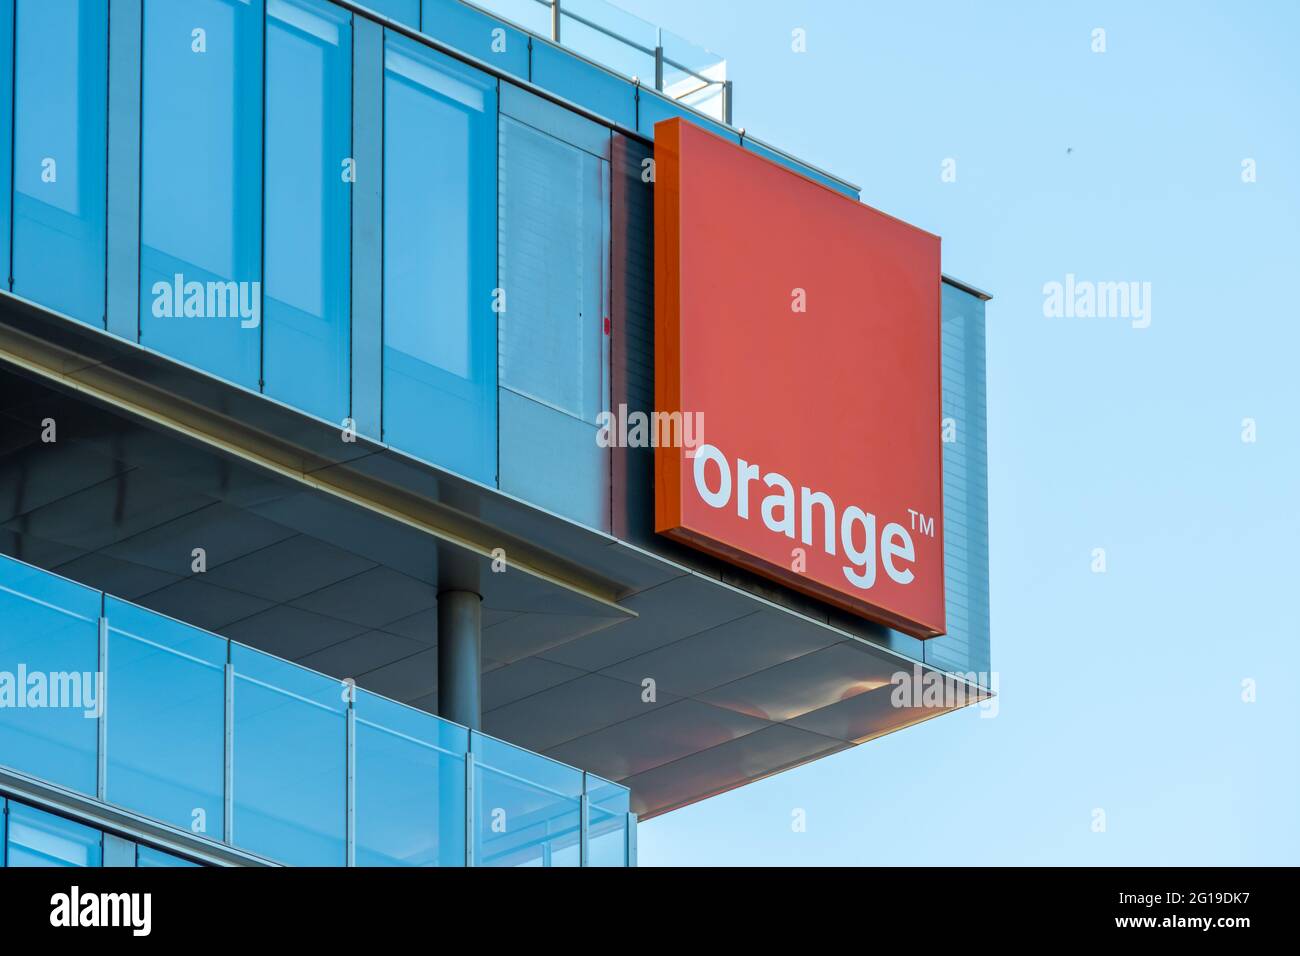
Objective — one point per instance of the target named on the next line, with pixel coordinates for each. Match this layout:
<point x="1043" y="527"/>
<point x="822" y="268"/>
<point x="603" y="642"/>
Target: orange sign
<point x="798" y="330"/>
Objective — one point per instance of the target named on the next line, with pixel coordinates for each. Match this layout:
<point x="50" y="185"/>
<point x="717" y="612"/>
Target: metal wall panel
<point x="553" y="241"/>
<point x="965" y="647"/>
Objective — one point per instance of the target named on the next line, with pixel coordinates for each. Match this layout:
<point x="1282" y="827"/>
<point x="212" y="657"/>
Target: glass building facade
<point x="229" y="745"/>
<point x="406" y="224"/>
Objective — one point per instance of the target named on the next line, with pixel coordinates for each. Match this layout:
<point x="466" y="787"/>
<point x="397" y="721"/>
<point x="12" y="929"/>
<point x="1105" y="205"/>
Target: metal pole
<point x="460" y="639"/>
<point x="555" y="20"/>
<point x="726" y="102"/>
<point x="659" y="68"/>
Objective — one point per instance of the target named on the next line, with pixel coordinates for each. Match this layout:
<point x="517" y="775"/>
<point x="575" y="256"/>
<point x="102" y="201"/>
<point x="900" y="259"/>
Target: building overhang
<point x="676" y="678"/>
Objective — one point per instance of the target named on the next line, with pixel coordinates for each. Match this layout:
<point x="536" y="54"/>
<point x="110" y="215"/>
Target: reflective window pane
<point x="467" y="28"/>
<point x="527" y="808"/>
<point x="166" y="725"/>
<point x="607" y="809"/>
<point x="578" y="81"/>
<point x="401" y="11"/>
<point x="37" y="838"/>
<point x="60" y="154"/>
<point x="201" y="184"/>
<point x="308" y="205"/>
<point x="439" y="388"/>
<point x="410" y="786"/>
<point x="49" y="686"/>
<point x="6" y="127"/>
<point x="290" y="761"/>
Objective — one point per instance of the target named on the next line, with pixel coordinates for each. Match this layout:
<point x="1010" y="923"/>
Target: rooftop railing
<point x="629" y="45"/>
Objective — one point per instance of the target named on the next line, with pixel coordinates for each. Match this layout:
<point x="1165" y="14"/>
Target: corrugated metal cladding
<point x="553" y="237"/>
<point x="965" y="488"/>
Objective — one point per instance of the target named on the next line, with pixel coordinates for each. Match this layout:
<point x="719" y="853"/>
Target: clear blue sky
<point x="1121" y="690"/>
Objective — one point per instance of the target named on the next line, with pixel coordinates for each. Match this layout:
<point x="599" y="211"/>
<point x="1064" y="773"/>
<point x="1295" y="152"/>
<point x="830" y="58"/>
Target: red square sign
<point x="797" y="330"/>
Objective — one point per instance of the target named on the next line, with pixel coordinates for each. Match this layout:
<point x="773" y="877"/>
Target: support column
<point x="460" y="641"/>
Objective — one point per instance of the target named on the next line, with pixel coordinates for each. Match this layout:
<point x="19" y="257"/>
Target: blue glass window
<point x="466" y="28"/>
<point x="580" y="82"/>
<point x="50" y="693"/>
<point x="6" y="133"/>
<point x="308" y="205"/>
<point x="166" y="724"/>
<point x="201" y="196"/>
<point x="607" y="809"/>
<point x="527" y="808"/>
<point x="410" y="786"/>
<point x="440" y="215"/>
<point x="290" y="761"/>
<point x="148" y="856"/>
<point x="37" y="838"/>
<point x="60" y="155"/>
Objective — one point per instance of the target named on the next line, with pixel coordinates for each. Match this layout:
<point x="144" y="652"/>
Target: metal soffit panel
<point x="154" y="459"/>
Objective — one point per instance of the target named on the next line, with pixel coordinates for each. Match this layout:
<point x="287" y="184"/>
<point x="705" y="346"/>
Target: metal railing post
<point x="584" y="829"/>
<point x="228" y="789"/>
<point x="659" y="68"/>
<point x="726" y="102"/>
<point x="469" y="808"/>
<point x="101" y="730"/>
<point x="555" y="20"/>
<point x="350" y="781"/>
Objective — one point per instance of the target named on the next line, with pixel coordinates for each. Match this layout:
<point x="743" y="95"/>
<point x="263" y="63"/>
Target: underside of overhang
<point x="331" y="553"/>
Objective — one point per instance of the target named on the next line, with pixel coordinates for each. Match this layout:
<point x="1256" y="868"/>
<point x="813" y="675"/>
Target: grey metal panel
<point x="289" y="632"/>
<point x="555" y="120"/>
<point x="120" y="578"/>
<point x="863" y="716"/>
<point x="360" y="654"/>
<point x="123" y="253"/>
<point x="289" y="568"/>
<point x="806" y="683"/>
<point x="524" y="635"/>
<point x="226" y="534"/>
<point x="367" y="224"/>
<point x="655" y="738"/>
<point x="404" y="680"/>
<point x="525" y="677"/>
<point x="372" y="598"/>
<point x="728" y="765"/>
<point x="726" y="653"/>
<point x="681" y="607"/>
<point x="567" y="711"/>
<point x="102" y="514"/>
<point x="203" y="605"/>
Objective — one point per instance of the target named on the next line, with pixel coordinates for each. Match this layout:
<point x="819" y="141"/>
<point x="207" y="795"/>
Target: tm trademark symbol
<point x="923" y="524"/>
